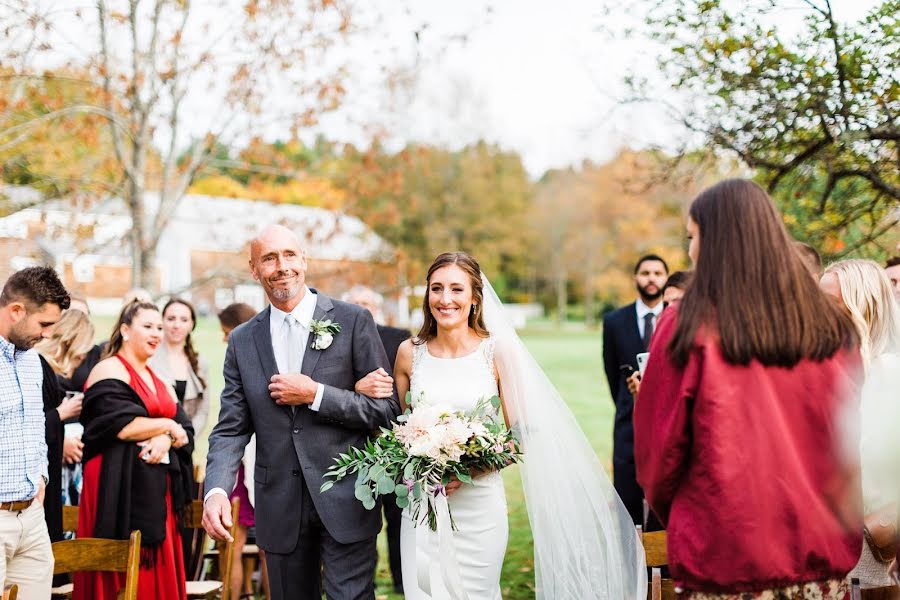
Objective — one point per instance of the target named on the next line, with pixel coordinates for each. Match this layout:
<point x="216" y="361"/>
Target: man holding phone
<point x="626" y="333"/>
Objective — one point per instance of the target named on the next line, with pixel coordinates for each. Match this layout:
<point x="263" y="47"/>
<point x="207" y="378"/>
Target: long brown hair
<point x="189" y="350"/>
<point x="476" y="314"/>
<point x="71" y="338"/>
<point x="126" y="317"/>
<point x="751" y="286"/>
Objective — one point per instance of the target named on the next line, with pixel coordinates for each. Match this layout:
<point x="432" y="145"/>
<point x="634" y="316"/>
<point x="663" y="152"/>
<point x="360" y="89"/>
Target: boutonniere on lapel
<point x="324" y="332"/>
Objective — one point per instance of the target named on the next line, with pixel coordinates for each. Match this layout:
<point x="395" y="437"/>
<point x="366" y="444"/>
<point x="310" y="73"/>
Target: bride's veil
<point x="585" y="543"/>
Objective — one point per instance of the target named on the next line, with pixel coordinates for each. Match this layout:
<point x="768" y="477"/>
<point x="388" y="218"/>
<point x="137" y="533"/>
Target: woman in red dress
<point x="137" y="461"/>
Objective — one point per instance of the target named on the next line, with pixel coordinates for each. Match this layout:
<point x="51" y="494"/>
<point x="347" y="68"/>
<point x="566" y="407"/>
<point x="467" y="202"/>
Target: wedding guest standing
<point x="177" y="363"/>
<point x="863" y="288"/>
<point x="738" y="426"/>
<point x="137" y="461"/>
<point x="30" y="303"/>
<point x="626" y="333"/>
<point x="70" y="341"/>
<point x="230" y="317"/>
<point x="676" y="285"/>
<point x="61" y="353"/>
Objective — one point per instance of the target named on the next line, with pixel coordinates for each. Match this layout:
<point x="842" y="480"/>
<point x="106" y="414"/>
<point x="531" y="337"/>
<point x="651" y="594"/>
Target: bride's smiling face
<point x="450" y="297"/>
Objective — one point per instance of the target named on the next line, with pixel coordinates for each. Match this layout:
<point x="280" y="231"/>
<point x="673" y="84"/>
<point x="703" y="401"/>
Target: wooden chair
<point x="202" y="589"/>
<point x="96" y="554"/>
<point x="10" y="592"/>
<point x="69" y="518"/>
<point x="655" y="552"/>
<point x="883" y="593"/>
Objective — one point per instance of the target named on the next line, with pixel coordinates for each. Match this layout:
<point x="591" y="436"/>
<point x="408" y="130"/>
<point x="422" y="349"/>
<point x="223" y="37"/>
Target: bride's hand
<point x="377" y="384"/>
<point x="452" y="486"/>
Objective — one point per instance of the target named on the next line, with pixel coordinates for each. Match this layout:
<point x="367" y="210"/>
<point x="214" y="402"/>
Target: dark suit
<point x="298" y="527"/>
<point x="53" y="395"/>
<point x="621" y="344"/>
<point x="391" y="338"/>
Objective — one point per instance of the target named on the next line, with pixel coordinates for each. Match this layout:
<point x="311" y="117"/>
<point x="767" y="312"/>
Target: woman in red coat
<point x="740" y="443"/>
<point x="137" y="461"/>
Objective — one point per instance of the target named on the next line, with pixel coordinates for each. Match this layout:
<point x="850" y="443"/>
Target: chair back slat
<point x="11" y="592"/>
<point x="69" y="518"/>
<point x="655" y="548"/>
<point x="98" y="554"/>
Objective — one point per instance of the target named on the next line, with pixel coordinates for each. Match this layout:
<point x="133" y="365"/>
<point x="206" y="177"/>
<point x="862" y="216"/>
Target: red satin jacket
<point x="752" y="468"/>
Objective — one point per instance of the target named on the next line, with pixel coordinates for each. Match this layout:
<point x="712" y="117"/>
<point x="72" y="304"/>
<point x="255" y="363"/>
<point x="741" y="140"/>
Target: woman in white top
<point x="177" y="363"/>
<point x="864" y="289"/>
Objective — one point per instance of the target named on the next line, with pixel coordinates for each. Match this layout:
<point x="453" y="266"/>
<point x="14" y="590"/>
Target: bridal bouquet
<point x="424" y="451"/>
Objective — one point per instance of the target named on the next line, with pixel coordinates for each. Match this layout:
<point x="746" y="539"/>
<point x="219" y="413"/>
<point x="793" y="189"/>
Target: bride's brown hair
<point x="476" y="312"/>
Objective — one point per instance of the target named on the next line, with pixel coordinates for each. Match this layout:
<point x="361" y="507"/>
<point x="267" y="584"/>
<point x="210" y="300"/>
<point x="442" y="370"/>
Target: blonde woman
<point x="865" y="291"/>
<point x="71" y="339"/>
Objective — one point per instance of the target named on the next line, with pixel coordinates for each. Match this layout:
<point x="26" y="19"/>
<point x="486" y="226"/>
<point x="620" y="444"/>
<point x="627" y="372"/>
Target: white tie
<point x="294" y="345"/>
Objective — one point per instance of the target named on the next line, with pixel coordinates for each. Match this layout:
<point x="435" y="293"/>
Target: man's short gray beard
<point x="285" y="294"/>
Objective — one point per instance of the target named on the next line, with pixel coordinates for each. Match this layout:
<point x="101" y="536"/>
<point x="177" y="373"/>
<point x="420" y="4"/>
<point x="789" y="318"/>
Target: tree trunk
<point x="562" y="297"/>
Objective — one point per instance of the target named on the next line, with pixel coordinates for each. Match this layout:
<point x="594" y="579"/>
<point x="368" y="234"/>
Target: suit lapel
<point x="324" y="305"/>
<point x="262" y="335"/>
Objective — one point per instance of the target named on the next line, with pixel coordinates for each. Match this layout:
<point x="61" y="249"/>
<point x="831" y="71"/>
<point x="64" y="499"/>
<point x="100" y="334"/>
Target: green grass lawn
<point x="571" y="357"/>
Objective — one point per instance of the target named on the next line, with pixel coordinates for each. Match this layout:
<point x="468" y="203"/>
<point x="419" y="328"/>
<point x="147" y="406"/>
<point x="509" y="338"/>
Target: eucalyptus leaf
<point x="369" y="503"/>
<point x="417" y="491"/>
<point x="402" y="501"/>
<point x="326" y="486"/>
<point x="385" y="485"/>
<point x="401" y="491"/>
<point x="363" y="493"/>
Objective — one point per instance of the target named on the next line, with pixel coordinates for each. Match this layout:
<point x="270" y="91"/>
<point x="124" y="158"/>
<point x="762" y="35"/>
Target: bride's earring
<point x="124" y="338"/>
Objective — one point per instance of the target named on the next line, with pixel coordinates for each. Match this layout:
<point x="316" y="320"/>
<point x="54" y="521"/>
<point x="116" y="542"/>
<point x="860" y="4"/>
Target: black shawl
<point x="132" y="493"/>
<point x="54" y="435"/>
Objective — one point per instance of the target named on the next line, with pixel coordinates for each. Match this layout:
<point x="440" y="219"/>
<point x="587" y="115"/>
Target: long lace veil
<point x="585" y="543"/>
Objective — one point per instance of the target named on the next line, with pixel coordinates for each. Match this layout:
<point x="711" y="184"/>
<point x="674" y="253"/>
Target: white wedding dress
<point x="478" y="510"/>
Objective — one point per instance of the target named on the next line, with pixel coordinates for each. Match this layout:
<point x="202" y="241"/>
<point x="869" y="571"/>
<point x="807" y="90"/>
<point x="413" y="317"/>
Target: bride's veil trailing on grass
<point x="585" y="543"/>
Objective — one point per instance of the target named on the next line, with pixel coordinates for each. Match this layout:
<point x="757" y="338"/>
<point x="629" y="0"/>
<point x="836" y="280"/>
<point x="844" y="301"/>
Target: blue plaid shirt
<point x="23" y="443"/>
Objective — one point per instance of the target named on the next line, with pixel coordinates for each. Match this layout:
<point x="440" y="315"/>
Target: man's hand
<point x="217" y="518"/>
<point x="39" y="496"/>
<point x="72" y="450"/>
<point x="377" y="384"/>
<point x="292" y="389"/>
<point x="634" y="383"/>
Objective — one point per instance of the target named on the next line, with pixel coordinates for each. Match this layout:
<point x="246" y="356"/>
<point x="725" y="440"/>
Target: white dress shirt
<point x="643" y="309"/>
<point x="283" y="345"/>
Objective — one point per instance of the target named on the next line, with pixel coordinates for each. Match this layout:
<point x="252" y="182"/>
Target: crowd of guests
<point x="760" y="435"/>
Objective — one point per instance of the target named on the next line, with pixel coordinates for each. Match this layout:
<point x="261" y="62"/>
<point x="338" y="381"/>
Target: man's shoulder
<point x="620" y="313"/>
<point x="346" y="308"/>
<point x="246" y="327"/>
<point x="386" y="331"/>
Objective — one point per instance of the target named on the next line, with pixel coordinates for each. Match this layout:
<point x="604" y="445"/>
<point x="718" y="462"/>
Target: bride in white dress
<point x="584" y="542"/>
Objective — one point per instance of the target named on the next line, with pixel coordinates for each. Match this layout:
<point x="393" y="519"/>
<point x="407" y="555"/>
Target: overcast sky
<point x="542" y="78"/>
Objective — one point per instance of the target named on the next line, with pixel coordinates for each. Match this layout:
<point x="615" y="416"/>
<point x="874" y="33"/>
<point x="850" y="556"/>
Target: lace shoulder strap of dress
<point x="487" y="351"/>
<point x="418" y="354"/>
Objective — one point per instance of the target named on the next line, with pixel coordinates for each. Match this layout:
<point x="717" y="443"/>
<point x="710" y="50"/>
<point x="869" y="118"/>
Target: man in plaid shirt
<point x="30" y="304"/>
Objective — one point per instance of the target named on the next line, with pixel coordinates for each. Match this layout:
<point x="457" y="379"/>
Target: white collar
<point x="303" y="312"/>
<point x="643" y="309"/>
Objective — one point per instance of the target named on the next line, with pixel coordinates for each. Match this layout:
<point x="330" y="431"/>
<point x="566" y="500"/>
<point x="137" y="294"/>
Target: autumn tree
<point x="814" y="114"/>
<point x="169" y="75"/>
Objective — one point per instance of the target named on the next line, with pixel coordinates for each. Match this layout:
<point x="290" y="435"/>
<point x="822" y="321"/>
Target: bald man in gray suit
<point x="298" y="398"/>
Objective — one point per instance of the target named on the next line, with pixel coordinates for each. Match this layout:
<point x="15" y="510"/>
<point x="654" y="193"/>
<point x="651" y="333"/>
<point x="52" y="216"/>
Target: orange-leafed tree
<point x="171" y="82"/>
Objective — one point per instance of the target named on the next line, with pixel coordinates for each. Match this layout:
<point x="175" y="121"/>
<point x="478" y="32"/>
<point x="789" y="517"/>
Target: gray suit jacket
<point x="288" y="441"/>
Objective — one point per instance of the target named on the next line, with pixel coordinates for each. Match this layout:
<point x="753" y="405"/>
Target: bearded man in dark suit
<point x="626" y="333"/>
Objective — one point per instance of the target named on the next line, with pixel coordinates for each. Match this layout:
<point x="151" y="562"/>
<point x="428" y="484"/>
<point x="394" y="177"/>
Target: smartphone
<point x="642" y="359"/>
<point x="70" y="394"/>
<point x="626" y="371"/>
